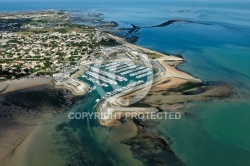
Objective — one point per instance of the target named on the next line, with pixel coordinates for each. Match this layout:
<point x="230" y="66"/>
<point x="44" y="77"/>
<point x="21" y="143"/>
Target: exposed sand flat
<point x="164" y="84"/>
<point x="173" y="72"/>
<point x="19" y="154"/>
<point x="13" y="133"/>
<point x="3" y="86"/>
<point x="167" y="83"/>
<point x="12" y="136"/>
<point x="14" y="85"/>
<point x="165" y="101"/>
<point x="24" y="110"/>
<point x="114" y="137"/>
<point x="171" y="78"/>
<point x="168" y="78"/>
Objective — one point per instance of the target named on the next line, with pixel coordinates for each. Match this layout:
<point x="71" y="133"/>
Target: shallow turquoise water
<point x="219" y="135"/>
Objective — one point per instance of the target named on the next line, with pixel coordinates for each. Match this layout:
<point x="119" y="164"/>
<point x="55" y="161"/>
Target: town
<point x="47" y="47"/>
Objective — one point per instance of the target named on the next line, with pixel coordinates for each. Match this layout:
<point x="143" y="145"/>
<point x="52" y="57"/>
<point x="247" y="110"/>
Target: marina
<point x="131" y="85"/>
<point x="113" y="76"/>
<point x="116" y="77"/>
<point x="140" y="72"/>
<point x="132" y="70"/>
<point x="99" y="77"/>
<point x="127" y="68"/>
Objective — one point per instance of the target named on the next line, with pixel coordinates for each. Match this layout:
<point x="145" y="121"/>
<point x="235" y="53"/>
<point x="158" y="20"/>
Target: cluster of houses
<point x="35" y="15"/>
<point x="45" y="52"/>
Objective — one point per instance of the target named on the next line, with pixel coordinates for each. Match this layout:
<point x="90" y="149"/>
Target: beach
<point x="14" y="132"/>
<point x="24" y="128"/>
<point x="23" y="110"/>
<point x="24" y="83"/>
<point x="215" y="122"/>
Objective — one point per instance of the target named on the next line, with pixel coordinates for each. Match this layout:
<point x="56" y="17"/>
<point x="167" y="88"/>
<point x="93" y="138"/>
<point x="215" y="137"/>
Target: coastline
<point x="176" y="77"/>
<point x="22" y="111"/>
<point x="165" y="56"/>
<point x="171" y="80"/>
<point x="168" y="71"/>
<point x="71" y="83"/>
<point x="172" y="72"/>
<point x="25" y="83"/>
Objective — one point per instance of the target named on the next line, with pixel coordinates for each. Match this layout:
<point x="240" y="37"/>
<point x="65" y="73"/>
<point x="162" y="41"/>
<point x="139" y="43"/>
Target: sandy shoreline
<point x="22" y="136"/>
<point x="14" y="85"/>
<point x="22" y="111"/>
<point x="17" y="155"/>
<point x="171" y="79"/>
<point x="165" y="56"/>
<point x="168" y="78"/>
<point x="12" y="135"/>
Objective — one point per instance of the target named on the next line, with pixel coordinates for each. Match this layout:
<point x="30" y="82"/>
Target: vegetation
<point x="187" y="86"/>
<point x="18" y="21"/>
<point x="109" y="42"/>
<point x="153" y="55"/>
<point x="61" y="30"/>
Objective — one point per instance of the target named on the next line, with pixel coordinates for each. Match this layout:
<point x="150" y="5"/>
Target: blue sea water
<point x="218" y="50"/>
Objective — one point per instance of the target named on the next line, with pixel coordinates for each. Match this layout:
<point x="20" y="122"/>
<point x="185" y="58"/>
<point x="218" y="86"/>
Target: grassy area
<point x="109" y="42"/>
<point x="66" y="29"/>
<point x="153" y="55"/>
<point x="19" y="21"/>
